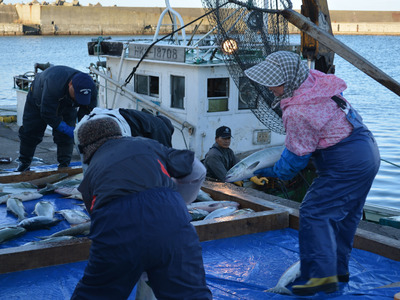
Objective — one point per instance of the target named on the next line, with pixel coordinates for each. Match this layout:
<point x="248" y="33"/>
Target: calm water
<point x="379" y="107"/>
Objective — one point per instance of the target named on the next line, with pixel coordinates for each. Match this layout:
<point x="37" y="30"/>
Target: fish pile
<point x="45" y="213"/>
<point x="206" y="208"/>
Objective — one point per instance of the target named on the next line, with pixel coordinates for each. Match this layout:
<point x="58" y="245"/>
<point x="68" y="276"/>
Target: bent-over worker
<point x="53" y="98"/>
<point x="140" y="222"/>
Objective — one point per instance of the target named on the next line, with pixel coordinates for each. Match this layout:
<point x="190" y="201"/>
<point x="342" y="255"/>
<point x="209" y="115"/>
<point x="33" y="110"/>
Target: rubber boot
<point x="64" y="155"/>
<point x="315" y="285"/>
<point x="344" y="278"/>
<point x="26" y="152"/>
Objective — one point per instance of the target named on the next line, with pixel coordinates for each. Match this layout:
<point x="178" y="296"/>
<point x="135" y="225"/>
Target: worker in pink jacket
<point x="321" y="125"/>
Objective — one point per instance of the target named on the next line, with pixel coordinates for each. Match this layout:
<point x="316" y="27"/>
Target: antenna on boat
<point x="173" y="14"/>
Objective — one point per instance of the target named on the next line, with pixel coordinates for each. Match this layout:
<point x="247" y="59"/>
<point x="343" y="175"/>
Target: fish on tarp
<point x="39" y="222"/>
<point x="290" y="275"/>
<point x="15" y="206"/>
<point x="69" y="192"/>
<point x="80" y="229"/>
<point x="212" y="205"/>
<point x="44" y="208"/>
<point x="198" y="214"/>
<point x="245" y="168"/>
<point x="202" y="196"/>
<point x="41" y="182"/>
<point x="74" y="216"/>
<point x="55" y="239"/>
<point x="23" y="196"/>
<point x="17" y="187"/>
<point x="72" y="181"/>
<point x="10" y="232"/>
<point x="221" y="212"/>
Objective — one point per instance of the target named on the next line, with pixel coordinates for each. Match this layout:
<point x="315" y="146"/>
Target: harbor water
<point x="379" y="107"/>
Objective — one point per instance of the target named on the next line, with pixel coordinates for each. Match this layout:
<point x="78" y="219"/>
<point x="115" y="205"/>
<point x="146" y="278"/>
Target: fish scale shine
<point x="245" y="168"/>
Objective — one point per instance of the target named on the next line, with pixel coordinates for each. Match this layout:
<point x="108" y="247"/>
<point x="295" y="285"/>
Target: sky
<point x="388" y="5"/>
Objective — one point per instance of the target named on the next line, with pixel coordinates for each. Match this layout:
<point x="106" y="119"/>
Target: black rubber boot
<point x="64" y="155"/>
<point x="26" y="152"/>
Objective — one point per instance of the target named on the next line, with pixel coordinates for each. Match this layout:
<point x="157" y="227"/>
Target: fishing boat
<point x="189" y="80"/>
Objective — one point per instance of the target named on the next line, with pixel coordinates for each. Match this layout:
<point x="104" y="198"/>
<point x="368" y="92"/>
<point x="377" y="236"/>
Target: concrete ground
<point x="45" y="154"/>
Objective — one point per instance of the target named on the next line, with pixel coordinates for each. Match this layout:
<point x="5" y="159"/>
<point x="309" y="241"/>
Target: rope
<point x="390" y="162"/>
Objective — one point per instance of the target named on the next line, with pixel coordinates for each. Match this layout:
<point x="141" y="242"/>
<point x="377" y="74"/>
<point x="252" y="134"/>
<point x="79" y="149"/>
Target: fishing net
<point x="248" y="31"/>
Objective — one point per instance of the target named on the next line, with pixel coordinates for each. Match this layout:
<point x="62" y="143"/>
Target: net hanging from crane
<point x="248" y="31"/>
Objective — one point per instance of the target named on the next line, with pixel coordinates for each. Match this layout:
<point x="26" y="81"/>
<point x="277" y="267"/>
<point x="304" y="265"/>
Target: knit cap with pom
<point x="94" y="133"/>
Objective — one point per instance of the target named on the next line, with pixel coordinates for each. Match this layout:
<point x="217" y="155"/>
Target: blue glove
<point x="286" y="167"/>
<point x="66" y="129"/>
<point x="265" y="172"/>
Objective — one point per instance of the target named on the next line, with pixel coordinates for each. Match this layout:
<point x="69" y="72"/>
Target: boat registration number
<point x="157" y="52"/>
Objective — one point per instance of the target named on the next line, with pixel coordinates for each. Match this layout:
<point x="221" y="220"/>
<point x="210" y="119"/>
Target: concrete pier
<point x="23" y="19"/>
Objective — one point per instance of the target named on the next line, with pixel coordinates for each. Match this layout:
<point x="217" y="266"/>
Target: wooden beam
<point x="341" y="49"/>
<point x="34" y="175"/>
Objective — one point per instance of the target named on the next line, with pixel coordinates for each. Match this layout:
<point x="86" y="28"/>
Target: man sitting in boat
<point x="53" y="98"/>
<point x="139" y="221"/>
<point x="220" y="158"/>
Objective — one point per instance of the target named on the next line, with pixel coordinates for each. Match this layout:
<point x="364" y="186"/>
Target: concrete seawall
<point x="22" y="19"/>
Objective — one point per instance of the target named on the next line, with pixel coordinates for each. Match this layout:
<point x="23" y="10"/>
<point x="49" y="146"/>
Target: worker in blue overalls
<point x="53" y="99"/>
<point x="320" y="124"/>
<point x="139" y="218"/>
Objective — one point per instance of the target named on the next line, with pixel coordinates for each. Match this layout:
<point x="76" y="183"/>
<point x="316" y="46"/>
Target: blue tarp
<point x="236" y="268"/>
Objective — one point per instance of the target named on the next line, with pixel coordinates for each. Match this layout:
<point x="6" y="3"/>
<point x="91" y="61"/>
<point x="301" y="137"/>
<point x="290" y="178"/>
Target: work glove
<point x="238" y="183"/>
<point x="66" y="129"/>
<point x="259" y="180"/>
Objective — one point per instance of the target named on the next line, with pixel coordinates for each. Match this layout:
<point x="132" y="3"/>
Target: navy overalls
<point x="332" y="208"/>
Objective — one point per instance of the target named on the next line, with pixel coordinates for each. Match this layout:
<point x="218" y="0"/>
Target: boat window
<point x="247" y="95"/>
<point x="217" y="94"/>
<point x="177" y="91"/>
<point x="147" y="85"/>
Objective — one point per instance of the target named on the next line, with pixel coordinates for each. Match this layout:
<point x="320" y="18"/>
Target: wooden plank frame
<point x="267" y="216"/>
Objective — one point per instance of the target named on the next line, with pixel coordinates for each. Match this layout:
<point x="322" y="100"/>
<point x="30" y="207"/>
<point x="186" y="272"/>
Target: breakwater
<point x="23" y="19"/>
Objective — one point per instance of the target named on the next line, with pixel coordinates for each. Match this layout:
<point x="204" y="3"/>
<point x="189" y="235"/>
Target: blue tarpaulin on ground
<point x="236" y="268"/>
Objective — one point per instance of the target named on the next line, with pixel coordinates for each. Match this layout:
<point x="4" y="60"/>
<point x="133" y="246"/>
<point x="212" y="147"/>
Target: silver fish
<point x="212" y="205"/>
<point x="242" y="211"/>
<point x="245" y="168"/>
<point x="23" y="196"/>
<point x="39" y="222"/>
<point x="80" y="229"/>
<point x="288" y="277"/>
<point x="69" y="192"/>
<point x="17" y="187"/>
<point x="10" y="232"/>
<point x="44" y="208"/>
<point x="198" y="214"/>
<point x="74" y="216"/>
<point x="203" y="196"/>
<point x="17" y="208"/>
<point x="221" y="212"/>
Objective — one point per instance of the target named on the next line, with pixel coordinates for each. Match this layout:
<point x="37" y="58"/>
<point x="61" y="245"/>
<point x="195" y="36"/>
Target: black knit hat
<point x="94" y="133"/>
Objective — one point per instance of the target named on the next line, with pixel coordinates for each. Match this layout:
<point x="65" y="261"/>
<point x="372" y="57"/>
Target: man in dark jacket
<point x="52" y="100"/>
<point x="220" y="158"/>
<point x="139" y="220"/>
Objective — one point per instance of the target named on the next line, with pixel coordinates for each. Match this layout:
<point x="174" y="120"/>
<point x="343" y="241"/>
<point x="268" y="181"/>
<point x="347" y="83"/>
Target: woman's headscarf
<point x="281" y="67"/>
